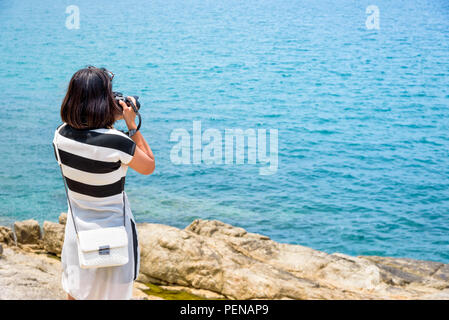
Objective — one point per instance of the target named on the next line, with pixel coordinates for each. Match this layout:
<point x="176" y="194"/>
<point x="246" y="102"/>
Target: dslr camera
<point x="118" y="96"/>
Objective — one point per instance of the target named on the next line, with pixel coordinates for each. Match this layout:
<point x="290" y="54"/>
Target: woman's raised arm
<point x="143" y="160"/>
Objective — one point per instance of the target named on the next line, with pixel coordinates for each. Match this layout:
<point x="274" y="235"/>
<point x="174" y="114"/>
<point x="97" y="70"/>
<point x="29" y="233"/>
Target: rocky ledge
<point x="213" y="260"/>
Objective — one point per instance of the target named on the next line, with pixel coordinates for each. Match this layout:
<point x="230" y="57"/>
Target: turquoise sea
<point x="362" y="114"/>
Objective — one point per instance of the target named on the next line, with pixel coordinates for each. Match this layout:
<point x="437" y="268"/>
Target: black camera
<point x="118" y="96"/>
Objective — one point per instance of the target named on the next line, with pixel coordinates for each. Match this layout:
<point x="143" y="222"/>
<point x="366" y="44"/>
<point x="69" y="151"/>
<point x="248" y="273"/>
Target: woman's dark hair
<point x="89" y="102"/>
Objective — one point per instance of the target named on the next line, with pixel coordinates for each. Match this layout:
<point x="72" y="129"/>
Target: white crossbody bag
<point x="99" y="248"/>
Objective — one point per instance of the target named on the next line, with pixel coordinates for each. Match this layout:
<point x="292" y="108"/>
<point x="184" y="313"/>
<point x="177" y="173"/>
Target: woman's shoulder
<point x="101" y="137"/>
<point x="113" y="131"/>
<point x="60" y="126"/>
<point x="116" y="139"/>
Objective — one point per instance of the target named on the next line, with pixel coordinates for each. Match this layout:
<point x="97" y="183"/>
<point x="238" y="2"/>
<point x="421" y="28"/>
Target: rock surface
<point x="6" y="235"/>
<point x="53" y="237"/>
<point x="27" y="232"/>
<point x="221" y="258"/>
<point x="63" y="218"/>
<point x="26" y="276"/>
<point x="215" y="260"/>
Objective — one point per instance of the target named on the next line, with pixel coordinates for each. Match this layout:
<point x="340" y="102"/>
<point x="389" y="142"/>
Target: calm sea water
<point x="363" y="115"/>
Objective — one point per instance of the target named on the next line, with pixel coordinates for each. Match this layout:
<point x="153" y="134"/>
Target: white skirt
<point x="111" y="283"/>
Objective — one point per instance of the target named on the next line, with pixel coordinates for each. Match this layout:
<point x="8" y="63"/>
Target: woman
<point x="94" y="160"/>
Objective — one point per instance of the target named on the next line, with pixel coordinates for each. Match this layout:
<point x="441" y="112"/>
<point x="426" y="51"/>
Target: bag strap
<point x="65" y="183"/>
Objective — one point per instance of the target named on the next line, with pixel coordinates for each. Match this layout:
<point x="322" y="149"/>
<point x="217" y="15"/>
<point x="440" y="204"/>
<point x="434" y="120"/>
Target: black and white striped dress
<point x="94" y="163"/>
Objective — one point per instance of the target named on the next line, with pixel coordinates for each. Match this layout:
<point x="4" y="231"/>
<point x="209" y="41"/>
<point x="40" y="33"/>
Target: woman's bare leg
<point x="69" y="297"/>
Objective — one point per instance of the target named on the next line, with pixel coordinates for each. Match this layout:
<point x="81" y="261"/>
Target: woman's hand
<point x="128" y="114"/>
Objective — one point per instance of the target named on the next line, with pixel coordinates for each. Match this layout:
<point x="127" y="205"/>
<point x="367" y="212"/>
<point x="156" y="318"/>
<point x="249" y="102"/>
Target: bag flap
<point x="92" y="240"/>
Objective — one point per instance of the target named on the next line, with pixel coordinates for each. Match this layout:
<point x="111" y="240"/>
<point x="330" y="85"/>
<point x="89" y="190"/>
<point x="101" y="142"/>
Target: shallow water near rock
<point x="362" y="114"/>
